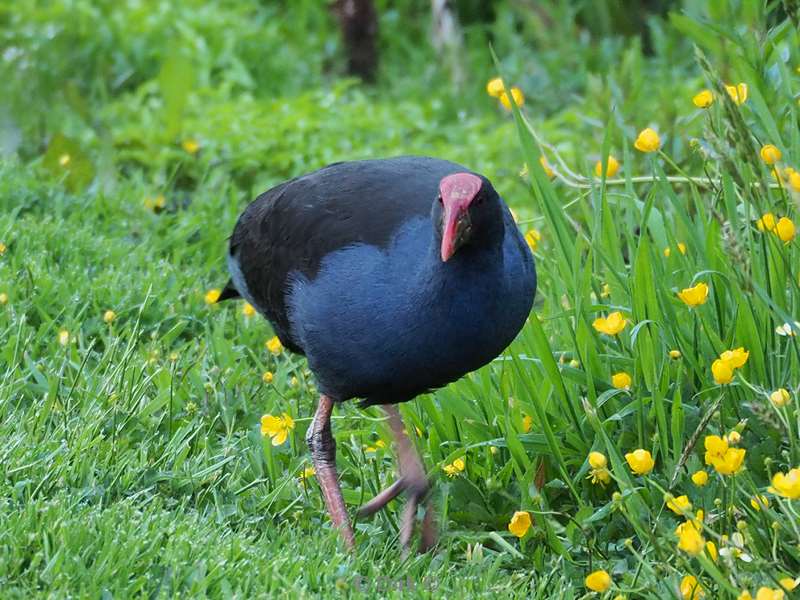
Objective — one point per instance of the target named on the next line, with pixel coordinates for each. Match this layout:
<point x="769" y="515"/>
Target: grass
<point x="132" y="462"/>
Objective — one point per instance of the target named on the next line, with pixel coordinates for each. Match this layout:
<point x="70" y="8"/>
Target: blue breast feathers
<point x="386" y="325"/>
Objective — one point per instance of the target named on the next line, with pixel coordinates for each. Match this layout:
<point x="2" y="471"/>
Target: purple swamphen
<point x="393" y="277"/>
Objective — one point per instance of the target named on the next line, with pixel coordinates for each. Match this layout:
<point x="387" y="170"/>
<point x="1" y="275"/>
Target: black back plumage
<point x="294" y="225"/>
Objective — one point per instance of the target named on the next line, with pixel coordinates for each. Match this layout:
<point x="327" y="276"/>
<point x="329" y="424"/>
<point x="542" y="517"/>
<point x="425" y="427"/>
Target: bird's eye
<point x="439" y="198"/>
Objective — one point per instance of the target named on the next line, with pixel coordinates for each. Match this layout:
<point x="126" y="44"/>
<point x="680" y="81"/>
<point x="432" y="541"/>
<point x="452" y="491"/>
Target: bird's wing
<point x="292" y="227"/>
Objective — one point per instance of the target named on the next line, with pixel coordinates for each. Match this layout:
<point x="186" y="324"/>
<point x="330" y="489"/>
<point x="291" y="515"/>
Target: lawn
<point x="639" y="439"/>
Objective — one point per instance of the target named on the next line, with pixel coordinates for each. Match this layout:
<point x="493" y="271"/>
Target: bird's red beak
<point x="457" y="192"/>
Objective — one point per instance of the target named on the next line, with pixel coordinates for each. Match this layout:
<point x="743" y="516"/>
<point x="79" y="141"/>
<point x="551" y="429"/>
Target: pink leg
<point x="323" y="455"/>
<point x="412" y="479"/>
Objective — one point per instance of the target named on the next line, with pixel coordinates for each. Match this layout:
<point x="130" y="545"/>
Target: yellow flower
<point x="212" y="295"/>
<point x="675" y="354"/>
<point x="691" y="588"/>
<point x="734" y="437"/>
<point x="679" y="505"/>
<point x="548" y="170"/>
<point x="736" y="358"/>
<point x="703" y="99"/>
<point x="767" y="222"/>
<point x="454" y="468"/>
<point x="267" y="377"/>
<point x="63" y="337"/>
<point x="738" y="93"/>
<point x="711" y="550"/>
<point x="640" y="461"/>
<point x="274" y="345"/>
<point x="785" y="230"/>
<point x="520" y="523"/>
<point x="722" y="372"/>
<point x="191" y="146"/>
<point x="3" y="297"/>
<point x="599" y="473"/>
<point x="64" y="160"/>
<point x="681" y="249"/>
<point x="780" y="397"/>
<point x="294" y="382"/>
<point x="109" y="316"/>
<point x="611" y="168"/>
<point x="794" y="180"/>
<point x="647" y="141"/>
<point x="758" y="502"/>
<point x="277" y="428"/>
<point x="694" y="296"/>
<point x="689" y="538"/>
<point x="788" y="583"/>
<point x="308" y="473"/>
<point x="248" y="310"/>
<point x="495" y="87"/>
<point x="605" y="291"/>
<point x="527" y="423"/>
<point x="597" y="460"/>
<point x="3" y="248"/>
<point x="745" y="595"/>
<point x="516" y="95"/>
<point x="379" y="444"/>
<point x="765" y="593"/>
<point x="715" y="446"/>
<point x="731" y="462"/>
<point x="155" y="203"/>
<point x="770" y="154"/>
<point x="700" y="478"/>
<point x="610" y="325"/>
<point x="598" y="581"/>
<point x="621" y="380"/>
<point x="787" y="485"/>
<point x="533" y="237"/>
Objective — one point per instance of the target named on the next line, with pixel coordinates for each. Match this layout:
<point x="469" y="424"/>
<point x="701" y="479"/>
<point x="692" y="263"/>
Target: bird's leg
<point x="412" y="480"/>
<point x="323" y="455"/>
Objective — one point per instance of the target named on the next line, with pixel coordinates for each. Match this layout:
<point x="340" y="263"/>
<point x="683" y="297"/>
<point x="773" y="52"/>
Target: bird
<point x="394" y="277"/>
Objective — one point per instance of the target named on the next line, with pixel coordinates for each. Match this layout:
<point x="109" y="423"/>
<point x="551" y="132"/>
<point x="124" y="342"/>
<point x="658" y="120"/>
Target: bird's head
<point x="466" y="204"/>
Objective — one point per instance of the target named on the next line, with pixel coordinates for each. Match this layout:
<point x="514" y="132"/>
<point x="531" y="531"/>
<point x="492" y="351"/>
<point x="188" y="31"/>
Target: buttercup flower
<point x="109" y="316"/>
<point x="703" y="99"/>
<point x="454" y="468"/>
<point x="689" y="538"/>
<point x="765" y="593"/>
<point x="780" y="397"/>
<point x="694" y="296"/>
<point x="597" y="460"/>
<point x="691" y="589"/>
<point x="758" y="502"/>
<point x="736" y="358"/>
<point x="274" y="345"/>
<point x="722" y="372"/>
<point x="681" y="249"/>
<point x="621" y="380"/>
<point x="794" y="180"/>
<point x="767" y="222"/>
<point x="598" y="581"/>
<point x="728" y="462"/>
<point x="277" y="428"/>
<point x="786" y="485"/>
<point x="495" y="87"/>
<point x="738" y="93"/>
<point x="548" y="170"/>
<point x="248" y="310"/>
<point x="679" y="505"/>
<point x="533" y="237"/>
<point x="770" y="154"/>
<point x="212" y="296"/>
<point x="788" y="583"/>
<point x="647" y="141"/>
<point x="613" y="324"/>
<point x="267" y="377"/>
<point x="516" y="95"/>
<point x="191" y="146"/>
<point x="155" y="203"/>
<point x="3" y="248"/>
<point x="675" y="354"/>
<point x="308" y="473"/>
<point x="640" y="461"/>
<point x="700" y="478"/>
<point x="520" y="523"/>
<point x="611" y="168"/>
<point x="63" y="337"/>
<point x="599" y="472"/>
<point x="3" y="298"/>
<point x="711" y="550"/>
<point x="379" y="444"/>
<point x="734" y="437"/>
<point x="785" y="229"/>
